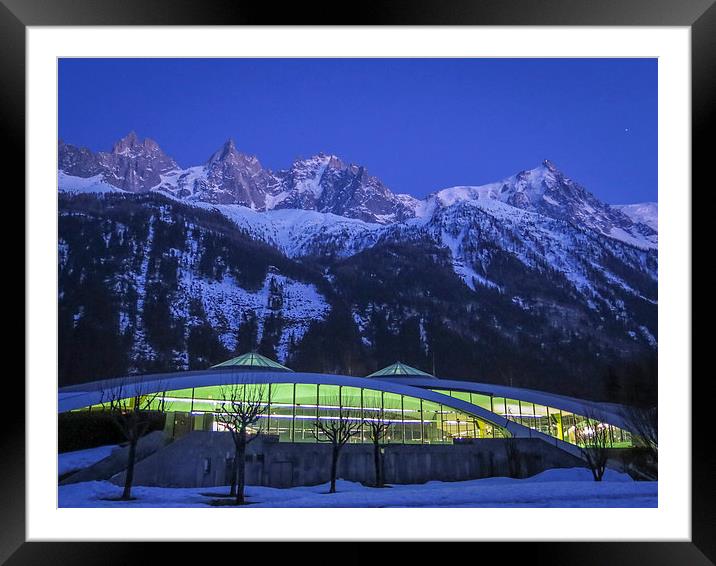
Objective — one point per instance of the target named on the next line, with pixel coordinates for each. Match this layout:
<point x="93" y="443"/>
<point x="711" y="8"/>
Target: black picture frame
<point x="699" y="15"/>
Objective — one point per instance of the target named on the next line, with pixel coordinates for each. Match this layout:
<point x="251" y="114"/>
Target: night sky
<point x="418" y="124"/>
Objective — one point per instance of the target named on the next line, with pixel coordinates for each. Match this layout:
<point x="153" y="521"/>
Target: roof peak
<point x="252" y="360"/>
<point x="399" y="369"/>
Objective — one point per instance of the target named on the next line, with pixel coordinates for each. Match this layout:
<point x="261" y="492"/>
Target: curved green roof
<point x="400" y="369"/>
<point x="252" y="361"/>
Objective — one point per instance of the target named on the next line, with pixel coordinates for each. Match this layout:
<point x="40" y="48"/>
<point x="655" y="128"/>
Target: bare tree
<point x="130" y="403"/>
<point x="378" y="428"/>
<point x="337" y="430"/>
<point x="644" y="423"/>
<point x="239" y="412"/>
<point x="592" y="438"/>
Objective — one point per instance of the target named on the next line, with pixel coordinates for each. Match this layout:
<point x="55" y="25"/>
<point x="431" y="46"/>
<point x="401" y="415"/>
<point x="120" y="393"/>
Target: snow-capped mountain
<point x="322" y="183"/>
<point x="547" y="191"/>
<point x="326" y="184"/>
<point x="321" y="265"/>
<point x="133" y="165"/>
<point x="643" y="213"/>
<point x="228" y="177"/>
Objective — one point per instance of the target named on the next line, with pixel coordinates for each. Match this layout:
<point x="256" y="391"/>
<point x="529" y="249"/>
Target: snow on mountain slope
<point x="473" y="223"/>
<point x="299" y="233"/>
<point x="643" y="212"/>
<point x="95" y="184"/>
<point x="478" y="233"/>
<point x="226" y="302"/>
<point x="472" y="230"/>
<point x="547" y="191"/>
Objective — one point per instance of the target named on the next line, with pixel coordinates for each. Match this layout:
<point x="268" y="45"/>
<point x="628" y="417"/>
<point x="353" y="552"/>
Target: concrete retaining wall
<point x="203" y="459"/>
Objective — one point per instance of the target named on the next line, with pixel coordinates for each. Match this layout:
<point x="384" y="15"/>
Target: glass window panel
<point x="351" y="407"/>
<point x="485" y="429"/>
<point x="213" y="392"/>
<point x="512" y="411"/>
<point x="481" y="400"/>
<point x="568" y="427"/>
<point x="328" y="400"/>
<point x="328" y="403"/>
<point x="179" y="406"/>
<point x="580" y="424"/>
<point x="498" y="406"/>
<point x="432" y="422"/>
<point x="412" y="415"/>
<point x="281" y="411"/>
<point x="450" y="423"/>
<point x="180" y="393"/>
<point x="306" y="395"/>
<point x="527" y="414"/>
<point x="555" y="422"/>
<point x="350" y="397"/>
<point x="282" y="393"/>
<point x="157" y="404"/>
<point x="373" y="402"/>
<point x="542" y="419"/>
<point x="393" y="413"/>
<point x="462" y="395"/>
<point x="627" y="438"/>
<point x="206" y="405"/>
<point x="306" y="398"/>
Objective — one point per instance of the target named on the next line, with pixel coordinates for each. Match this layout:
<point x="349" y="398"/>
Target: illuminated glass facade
<point x="558" y="423"/>
<point x="292" y="410"/>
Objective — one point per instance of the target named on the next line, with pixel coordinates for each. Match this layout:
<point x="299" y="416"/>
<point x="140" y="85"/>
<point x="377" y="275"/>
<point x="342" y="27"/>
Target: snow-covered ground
<point x="571" y="487"/>
<point x="73" y="461"/>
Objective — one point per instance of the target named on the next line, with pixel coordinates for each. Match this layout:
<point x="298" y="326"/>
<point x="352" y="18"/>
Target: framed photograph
<point x="293" y="278"/>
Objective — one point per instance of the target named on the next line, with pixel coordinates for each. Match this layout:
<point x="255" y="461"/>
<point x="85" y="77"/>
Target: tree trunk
<point x="378" y="465"/>
<point x="599" y="473"/>
<point x="334" y="469"/>
<point x="129" y="476"/>
<point x="234" y="465"/>
<point x="240" y="468"/>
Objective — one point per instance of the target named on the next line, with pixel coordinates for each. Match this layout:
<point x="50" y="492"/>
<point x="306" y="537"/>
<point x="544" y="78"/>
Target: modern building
<point x="422" y="408"/>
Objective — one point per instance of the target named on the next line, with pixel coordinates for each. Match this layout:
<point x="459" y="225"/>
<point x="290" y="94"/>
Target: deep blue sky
<point x="418" y="124"/>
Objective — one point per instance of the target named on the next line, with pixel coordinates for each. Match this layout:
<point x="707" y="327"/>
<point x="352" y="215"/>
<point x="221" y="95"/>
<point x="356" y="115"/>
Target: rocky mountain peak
<point x="132" y="146"/>
<point x="128" y="141"/>
<point x="550" y="166"/>
<point x="226" y="151"/>
<point x="229" y="154"/>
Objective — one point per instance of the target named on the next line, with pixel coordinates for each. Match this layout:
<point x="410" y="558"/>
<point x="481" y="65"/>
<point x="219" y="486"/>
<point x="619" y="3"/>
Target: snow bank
<point x="73" y="461"/>
<point x="554" y="488"/>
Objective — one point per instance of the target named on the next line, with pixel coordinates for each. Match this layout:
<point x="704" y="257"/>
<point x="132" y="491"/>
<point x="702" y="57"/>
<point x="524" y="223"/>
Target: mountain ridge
<point x="326" y="184"/>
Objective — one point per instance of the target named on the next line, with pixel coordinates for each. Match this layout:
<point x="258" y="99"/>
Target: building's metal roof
<point x="399" y="369"/>
<point x="252" y="360"/>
